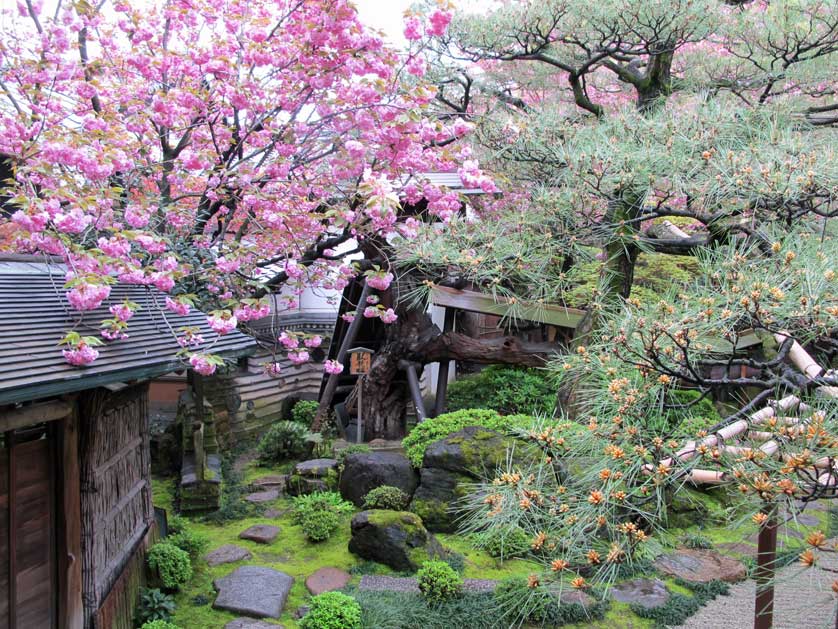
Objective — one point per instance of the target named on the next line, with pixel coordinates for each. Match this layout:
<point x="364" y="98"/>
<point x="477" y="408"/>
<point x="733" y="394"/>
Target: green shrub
<point x="318" y="526"/>
<point x="696" y="540"/>
<point x="193" y="543"/>
<point x="177" y="524"/>
<point x="283" y="441"/>
<point x="154" y="605"/>
<point x="332" y="610"/>
<point x="456" y="560"/>
<point x="386" y="497"/>
<point x="159" y="624"/>
<point x="355" y="448"/>
<point x="440" y="427"/>
<point x="439" y="582"/>
<point x="319" y="501"/>
<point x="171" y="563"/>
<point x="507" y="390"/>
<point x="504" y="544"/>
<point x="303" y="412"/>
<point x="406" y="610"/>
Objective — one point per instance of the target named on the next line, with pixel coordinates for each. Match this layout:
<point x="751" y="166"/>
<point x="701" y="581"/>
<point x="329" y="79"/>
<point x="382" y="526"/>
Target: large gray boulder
<point x="395" y="538"/>
<point x="365" y="471"/>
<point x="253" y="591"/>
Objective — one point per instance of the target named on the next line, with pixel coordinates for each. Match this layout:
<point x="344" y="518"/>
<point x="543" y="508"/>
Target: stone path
<point x="803" y="600"/>
<point x="229" y="553"/>
<point x="326" y="580"/>
<point x="251" y="623"/>
<point x="260" y="533"/>
<point x="380" y="583"/>
<point x="253" y="591"/>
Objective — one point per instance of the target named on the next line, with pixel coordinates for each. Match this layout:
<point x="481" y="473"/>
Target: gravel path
<point x="380" y="583"/>
<point x="803" y="600"/>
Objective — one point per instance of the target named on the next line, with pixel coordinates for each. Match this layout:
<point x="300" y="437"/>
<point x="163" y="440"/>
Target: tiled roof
<point x="35" y="315"/>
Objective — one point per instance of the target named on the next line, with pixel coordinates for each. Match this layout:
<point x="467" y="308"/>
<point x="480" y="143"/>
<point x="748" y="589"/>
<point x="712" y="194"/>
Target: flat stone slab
<point x="647" y="593"/>
<point x="262" y="496"/>
<point x="276" y="513"/>
<point x="260" y="533"/>
<point x="251" y="623"/>
<point x="700" y="566"/>
<point x="381" y="583"/>
<point x="326" y="580"/>
<point x="315" y="468"/>
<point x="271" y="481"/>
<point x="253" y="591"/>
<point x="229" y="553"/>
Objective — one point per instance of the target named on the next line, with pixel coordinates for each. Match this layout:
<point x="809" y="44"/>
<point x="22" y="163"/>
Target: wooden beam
<point x="442" y="377"/>
<point x="71" y="608"/>
<point x="475" y="301"/>
<point x="14" y="418"/>
<point x="415" y="389"/>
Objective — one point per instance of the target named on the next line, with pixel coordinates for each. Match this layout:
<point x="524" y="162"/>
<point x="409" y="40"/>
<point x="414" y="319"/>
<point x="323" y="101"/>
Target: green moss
<point x="430" y="510"/>
<point x="163" y="493"/>
<point x="410" y="522"/>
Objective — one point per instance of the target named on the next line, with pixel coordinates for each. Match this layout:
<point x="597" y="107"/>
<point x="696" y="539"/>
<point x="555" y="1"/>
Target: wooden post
<point x="71" y="609"/>
<point x="359" y="430"/>
<point x="415" y="391"/>
<point x="766" y="557"/>
<point x="332" y="382"/>
<point x="442" y="377"/>
<point x="198" y="446"/>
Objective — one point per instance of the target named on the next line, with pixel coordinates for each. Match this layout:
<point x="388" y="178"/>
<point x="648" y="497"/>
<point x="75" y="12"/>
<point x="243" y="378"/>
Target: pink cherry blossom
<point x="86" y="296"/>
<point x="439" y="22"/>
<point x="178" y="307"/>
<point x="332" y="367"/>
<point x="288" y="341"/>
<point x="314" y="341"/>
<point x="222" y="323"/>
<point x="349" y="317"/>
<point x="272" y="369"/>
<point x="201" y="364"/>
<point x="122" y="312"/>
<point x="388" y="316"/>
<point x="413" y="28"/>
<point x="371" y="312"/>
<point x="299" y="357"/>
<point x="80" y="355"/>
<point x="380" y="281"/>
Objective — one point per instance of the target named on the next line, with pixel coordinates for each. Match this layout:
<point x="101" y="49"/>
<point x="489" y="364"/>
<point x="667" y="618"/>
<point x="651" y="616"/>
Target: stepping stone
<point x="276" y="513"/>
<point x="569" y="597"/>
<point x="316" y="468"/>
<point x="271" y="481"/>
<point x="326" y="580"/>
<point x="251" y="623"/>
<point x="229" y="553"/>
<point x="253" y="591"/>
<point x="700" y="566"/>
<point x="262" y="496"/>
<point x="260" y="533"/>
<point x="647" y="593"/>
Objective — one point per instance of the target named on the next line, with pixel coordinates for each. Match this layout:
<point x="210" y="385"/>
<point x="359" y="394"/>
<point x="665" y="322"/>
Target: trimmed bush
<point x="507" y="390"/>
<point x="154" y="605"/>
<point x="303" y="412"/>
<point x="177" y="524"/>
<point x="386" y="497"/>
<point x="193" y="543"/>
<point x="283" y="441"/>
<point x="318" y="526"/>
<point x="332" y="610"/>
<point x="439" y="582"/>
<point x="171" y="564"/>
<point x="159" y="624"/>
<point x="440" y="427"/>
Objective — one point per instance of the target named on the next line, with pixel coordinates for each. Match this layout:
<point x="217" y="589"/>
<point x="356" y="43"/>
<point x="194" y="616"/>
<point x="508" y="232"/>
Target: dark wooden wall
<point x="116" y="510"/>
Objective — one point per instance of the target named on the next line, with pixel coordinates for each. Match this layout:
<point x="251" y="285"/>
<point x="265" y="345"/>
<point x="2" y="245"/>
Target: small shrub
<point x="154" y="605"/>
<point x="283" y="441"/>
<point x="318" y="526"/>
<point x="695" y="540"/>
<point x="177" y="524"/>
<point x="440" y="427"/>
<point x="320" y="501"/>
<point x="193" y="543"/>
<point x="171" y="563"/>
<point x="355" y="448"/>
<point x="303" y="412"/>
<point x="386" y="497"/>
<point x="507" y="390"/>
<point x="505" y="544"/>
<point x="332" y="610"/>
<point x="456" y="560"/>
<point x="159" y="624"/>
<point x="439" y="582"/>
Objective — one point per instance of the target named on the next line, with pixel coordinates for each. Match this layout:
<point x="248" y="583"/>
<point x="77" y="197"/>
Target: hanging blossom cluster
<point x="214" y="149"/>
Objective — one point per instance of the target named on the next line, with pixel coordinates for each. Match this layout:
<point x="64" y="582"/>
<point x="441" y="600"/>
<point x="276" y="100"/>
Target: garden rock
<point x="311" y="476"/>
<point x="365" y="471"/>
<point x="575" y="597"/>
<point x="700" y="566"/>
<point x="647" y="593"/>
<point x="253" y="591"/>
<point x="452" y="464"/>
<point x="395" y="538"/>
<point x="260" y="533"/>
<point x="326" y="580"/>
<point x="229" y="553"/>
<point x="271" y="481"/>
<point x="262" y="496"/>
<point x="251" y="623"/>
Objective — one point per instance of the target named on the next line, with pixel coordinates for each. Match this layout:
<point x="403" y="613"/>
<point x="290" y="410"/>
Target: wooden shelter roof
<point x="35" y="315"/>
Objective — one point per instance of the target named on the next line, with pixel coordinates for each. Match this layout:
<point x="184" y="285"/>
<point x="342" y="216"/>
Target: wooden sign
<point x="360" y="360"/>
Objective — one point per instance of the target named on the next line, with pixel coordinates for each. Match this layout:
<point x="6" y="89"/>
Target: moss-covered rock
<point x="690" y="507"/>
<point x="397" y="539"/>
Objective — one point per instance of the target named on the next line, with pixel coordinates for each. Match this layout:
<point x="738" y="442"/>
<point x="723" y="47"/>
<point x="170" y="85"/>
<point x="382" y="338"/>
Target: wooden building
<point x="75" y="493"/>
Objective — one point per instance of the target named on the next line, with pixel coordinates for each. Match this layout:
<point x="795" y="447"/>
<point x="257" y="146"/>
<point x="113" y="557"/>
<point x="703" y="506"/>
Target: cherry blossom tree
<point x="216" y="150"/>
